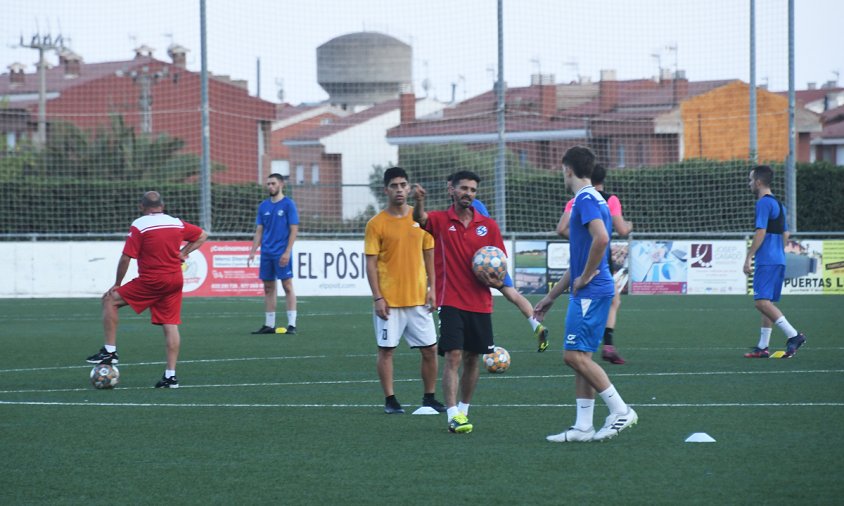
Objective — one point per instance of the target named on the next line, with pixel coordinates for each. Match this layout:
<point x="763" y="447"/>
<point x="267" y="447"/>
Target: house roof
<point x="57" y="82"/>
<point x="833" y="115"/>
<point x="807" y="96"/>
<point x="314" y="135"/>
<point x="639" y="100"/>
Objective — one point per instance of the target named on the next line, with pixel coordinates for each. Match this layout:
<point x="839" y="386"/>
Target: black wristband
<point x="379" y="298"/>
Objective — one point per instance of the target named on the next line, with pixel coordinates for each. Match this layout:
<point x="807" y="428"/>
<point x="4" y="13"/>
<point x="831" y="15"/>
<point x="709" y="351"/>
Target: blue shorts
<point x="585" y="323"/>
<point x="270" y="270"/>
<point x="767" y="282"/>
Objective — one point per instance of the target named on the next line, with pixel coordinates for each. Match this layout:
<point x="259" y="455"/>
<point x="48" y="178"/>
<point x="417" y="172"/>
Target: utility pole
<point x="145" y="79"/>
<point x="42" y="43"/>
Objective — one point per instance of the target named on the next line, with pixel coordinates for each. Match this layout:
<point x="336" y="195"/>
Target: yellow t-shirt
<point x="398" y="243"/>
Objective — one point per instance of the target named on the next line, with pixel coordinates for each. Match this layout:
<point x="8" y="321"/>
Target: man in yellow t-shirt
<point x="400" y="268"/>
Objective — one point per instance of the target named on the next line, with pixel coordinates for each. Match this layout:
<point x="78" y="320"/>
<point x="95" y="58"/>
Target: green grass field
<point x="298" y="419"/>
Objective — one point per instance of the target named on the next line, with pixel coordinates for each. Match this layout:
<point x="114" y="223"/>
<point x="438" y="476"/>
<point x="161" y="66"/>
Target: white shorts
<point x="415" y="323"/>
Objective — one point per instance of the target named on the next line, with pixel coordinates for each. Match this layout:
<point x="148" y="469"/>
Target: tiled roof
<point x="347" y="122"/>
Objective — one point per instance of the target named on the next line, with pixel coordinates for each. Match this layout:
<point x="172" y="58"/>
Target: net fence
<point x="330" y="94"/>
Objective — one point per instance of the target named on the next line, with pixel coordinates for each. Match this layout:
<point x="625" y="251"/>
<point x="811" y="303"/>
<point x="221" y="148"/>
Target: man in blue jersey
<point x="277" y="225"/>
<point x="768" y="248"/>
<point x="508" y="289"/>
<point x="592" y="289"/>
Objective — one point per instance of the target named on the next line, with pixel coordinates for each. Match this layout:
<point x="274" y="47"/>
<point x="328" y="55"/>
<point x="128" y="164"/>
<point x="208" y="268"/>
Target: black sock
<point x="608" y="336"/>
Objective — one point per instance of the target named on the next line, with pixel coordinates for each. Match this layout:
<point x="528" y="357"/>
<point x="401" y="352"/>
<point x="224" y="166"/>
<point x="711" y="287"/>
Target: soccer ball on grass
<point x="104" y="376"/>
<point x="498" y="361"/>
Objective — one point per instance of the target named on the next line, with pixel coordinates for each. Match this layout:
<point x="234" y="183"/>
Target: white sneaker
<point x="616" y="423"/>
<point x="572" y="435"/>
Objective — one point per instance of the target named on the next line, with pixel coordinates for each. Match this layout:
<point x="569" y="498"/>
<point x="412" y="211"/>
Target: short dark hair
<point x="392" y="173"/>
<point x="581" y="160"/>
<point x="764" y="174"/>
<point x="464" y="174"/>
<point x="278" y="176"/>
<point x="151" y="200"/>
<point x="599" y="173"/>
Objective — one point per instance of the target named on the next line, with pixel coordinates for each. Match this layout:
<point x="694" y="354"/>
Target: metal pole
<point x="754" y="146"/>
<point x="500" y="197"/>
<point x="205" y="166"/>
<point x="258" y="77"/>
<point x="790" y="169"/>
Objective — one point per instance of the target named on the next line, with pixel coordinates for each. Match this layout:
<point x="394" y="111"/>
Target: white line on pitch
<point x="368" y="406"/>
<point x="411" y="380"/>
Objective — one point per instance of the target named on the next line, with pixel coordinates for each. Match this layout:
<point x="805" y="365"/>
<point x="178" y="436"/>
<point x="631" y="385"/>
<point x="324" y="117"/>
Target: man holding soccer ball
<point x="464" y="300"/>
<point x="592" y="289"/>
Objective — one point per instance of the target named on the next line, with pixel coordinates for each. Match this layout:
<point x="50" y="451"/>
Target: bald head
<point x="152" y="200"/>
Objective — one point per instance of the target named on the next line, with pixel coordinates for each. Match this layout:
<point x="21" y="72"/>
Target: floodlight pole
<point x="500" y="197"/>
<point x="754" y="145"/>
<point x="790" y="166"/>
<point x="205" y="164"/>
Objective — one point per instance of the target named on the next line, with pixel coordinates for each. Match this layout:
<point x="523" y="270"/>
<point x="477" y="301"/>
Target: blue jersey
<point x="480" y="207"/>
<point x="276" y="219"/>
<point x="770" y="216"/>
<point x="589" y="205"/>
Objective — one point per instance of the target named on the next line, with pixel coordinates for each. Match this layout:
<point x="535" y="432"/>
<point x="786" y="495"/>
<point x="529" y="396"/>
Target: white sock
<point x="269" y="319"/>
<point x="110" y="348"/>
<point x="764" y="337"/>
<point x="463" y="408"/>
<point x="291" y="318"/>
<point x="786" y="327"/>
<point x="452" y="412"/>
<point x="169" y="373"/>
<point x="533" y="322"/>
<point x="585" y="409"/>
<point x="614" y="401"/>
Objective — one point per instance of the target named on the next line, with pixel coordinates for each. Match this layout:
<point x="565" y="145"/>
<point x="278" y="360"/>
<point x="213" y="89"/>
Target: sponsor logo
<point x="701" y="256"/>
<point x="452" y="229"/>
<point x="481" y="231"/>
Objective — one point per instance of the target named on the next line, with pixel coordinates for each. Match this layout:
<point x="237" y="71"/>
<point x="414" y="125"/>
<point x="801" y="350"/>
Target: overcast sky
<point x="454" y="41"/>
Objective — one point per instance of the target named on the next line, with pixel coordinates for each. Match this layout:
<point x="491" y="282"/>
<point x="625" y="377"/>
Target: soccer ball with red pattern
<point x="498" y="361"/>
<point x="489" y="259"/>
<point x="104" y="376"/>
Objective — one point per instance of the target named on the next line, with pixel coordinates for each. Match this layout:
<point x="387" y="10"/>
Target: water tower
<point x="364" y="68"/>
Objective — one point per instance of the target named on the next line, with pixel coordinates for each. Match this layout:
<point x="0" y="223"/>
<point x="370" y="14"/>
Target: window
<point x="620" y="155"/>
<point x="314" y="173"/>
<point x="280" y="167"/>
<point x="300" y="174"/>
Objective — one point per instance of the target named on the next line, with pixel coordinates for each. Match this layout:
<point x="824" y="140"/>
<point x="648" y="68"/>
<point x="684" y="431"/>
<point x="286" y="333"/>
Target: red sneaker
<point x="757" y="352"/>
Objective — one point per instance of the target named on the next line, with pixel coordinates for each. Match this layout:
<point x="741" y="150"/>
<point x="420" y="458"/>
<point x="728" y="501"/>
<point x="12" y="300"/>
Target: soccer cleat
<point x="433" y="403"/>
<point x="171" y="382"/>
<point x="393" y="408"/>
<point x="757" y="352"/>
<point x="572" y="435"/>
<point x="616" y="423"/>
<point x="265" y="330"/>
<point x="103" y="357"/>
<point x="460" y="424"/>
<point x="610" y="355"/>
<point x="792" y="344"/>
<point x="541" y="334"/>
<point x="291" y="329"/>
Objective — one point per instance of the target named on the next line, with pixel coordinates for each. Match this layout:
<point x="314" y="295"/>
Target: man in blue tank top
<point x="768" y="249"/>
